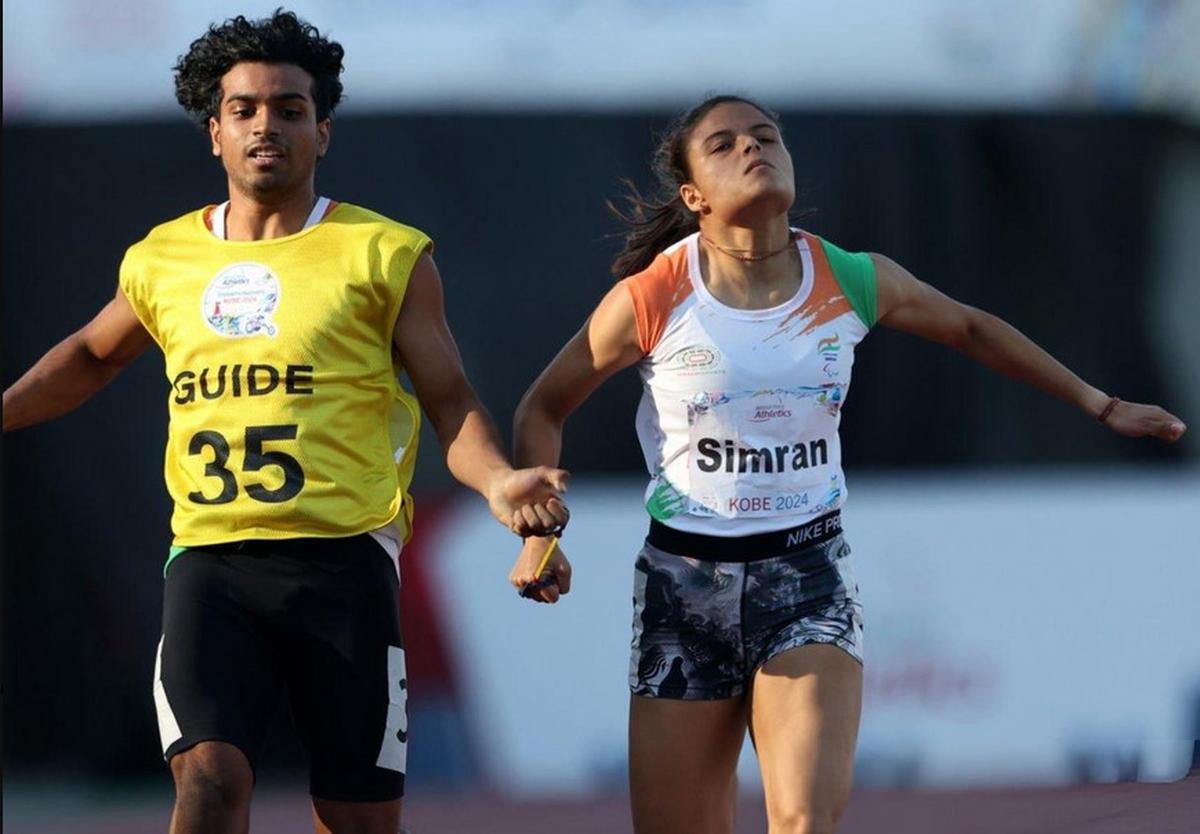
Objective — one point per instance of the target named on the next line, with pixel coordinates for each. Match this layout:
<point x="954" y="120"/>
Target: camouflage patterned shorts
<point x="702" y="628"/>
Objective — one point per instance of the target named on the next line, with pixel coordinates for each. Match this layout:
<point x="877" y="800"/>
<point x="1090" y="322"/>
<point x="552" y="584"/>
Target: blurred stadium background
<point x="1031" y="580"/>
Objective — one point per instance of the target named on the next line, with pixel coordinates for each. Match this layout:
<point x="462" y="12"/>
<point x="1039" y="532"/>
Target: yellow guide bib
<point x="286" y="416"/>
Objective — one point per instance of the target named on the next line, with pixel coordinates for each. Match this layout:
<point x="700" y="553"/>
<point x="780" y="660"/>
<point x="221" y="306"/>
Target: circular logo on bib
<point x="241" y="299"/>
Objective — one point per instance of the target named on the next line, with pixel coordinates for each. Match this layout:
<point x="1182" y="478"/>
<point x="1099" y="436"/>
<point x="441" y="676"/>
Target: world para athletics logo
<point x="240" y="301"/>
<point x="770" y="411"/>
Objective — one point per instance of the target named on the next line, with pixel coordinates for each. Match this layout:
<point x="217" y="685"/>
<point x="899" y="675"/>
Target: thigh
<point x="217" y="676"/>
<point x="683" y="764"/>
<point x="346" y="677"/>
<point x="804" y="712"/>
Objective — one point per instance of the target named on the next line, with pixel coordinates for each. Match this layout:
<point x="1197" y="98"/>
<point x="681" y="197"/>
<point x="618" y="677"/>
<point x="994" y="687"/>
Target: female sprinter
<point x="743" y="330"/>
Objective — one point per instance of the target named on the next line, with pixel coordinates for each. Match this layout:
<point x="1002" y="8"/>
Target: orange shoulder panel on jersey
<point x="657" y="290"/>
<point x="826" y="301"/>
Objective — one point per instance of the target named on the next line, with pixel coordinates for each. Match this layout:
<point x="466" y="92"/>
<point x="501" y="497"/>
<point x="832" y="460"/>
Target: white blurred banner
<point x="77" y="59"/>
<point x="1031" y="628"/>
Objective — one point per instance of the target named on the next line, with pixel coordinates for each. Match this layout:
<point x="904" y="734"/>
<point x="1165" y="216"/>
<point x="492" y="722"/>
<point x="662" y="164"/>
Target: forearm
<point x="62" y="380"/>
<point x="1000" y="346"/>
<point x="537" y="439"/>
<point x="914" y="307"/>
<point x="537" y="435"/>
<point x="472" y="444"/>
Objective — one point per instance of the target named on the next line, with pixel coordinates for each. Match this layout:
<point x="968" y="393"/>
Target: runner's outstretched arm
<point x="914" y="307"/>
<point x="606" y="343"/>
<point x="77" y="367"/>
<point x="527" y="501"/>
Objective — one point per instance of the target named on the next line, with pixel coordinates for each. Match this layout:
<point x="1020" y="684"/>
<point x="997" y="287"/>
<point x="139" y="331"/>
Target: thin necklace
<point x="735" y="253"/>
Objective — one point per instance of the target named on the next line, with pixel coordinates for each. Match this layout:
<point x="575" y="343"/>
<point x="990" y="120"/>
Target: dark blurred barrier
<point x="1041" y="219"/>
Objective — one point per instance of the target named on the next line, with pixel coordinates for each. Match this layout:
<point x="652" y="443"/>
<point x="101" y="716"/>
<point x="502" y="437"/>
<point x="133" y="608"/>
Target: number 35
<point x="256" y="459"/>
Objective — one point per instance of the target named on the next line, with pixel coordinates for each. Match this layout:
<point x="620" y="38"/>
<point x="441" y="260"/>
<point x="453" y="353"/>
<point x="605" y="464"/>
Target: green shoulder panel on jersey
<point x="855" y="272"/>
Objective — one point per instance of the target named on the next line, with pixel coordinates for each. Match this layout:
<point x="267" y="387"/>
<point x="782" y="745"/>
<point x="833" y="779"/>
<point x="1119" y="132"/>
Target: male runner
<point x="284" y="319"/>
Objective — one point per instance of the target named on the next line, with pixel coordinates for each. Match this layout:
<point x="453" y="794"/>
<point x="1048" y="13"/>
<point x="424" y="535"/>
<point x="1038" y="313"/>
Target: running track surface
<point x="1124" y="808"/>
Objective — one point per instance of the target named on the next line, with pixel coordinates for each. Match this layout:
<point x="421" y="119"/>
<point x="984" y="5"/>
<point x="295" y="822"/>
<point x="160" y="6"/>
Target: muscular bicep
<point x="423" y="340"/>
<point x="607" y="343"/>
<point x="115" y="336"/>
<point x="908" y="304"/>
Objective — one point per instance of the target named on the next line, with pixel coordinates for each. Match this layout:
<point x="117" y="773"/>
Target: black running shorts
<point x="315" y="619"/>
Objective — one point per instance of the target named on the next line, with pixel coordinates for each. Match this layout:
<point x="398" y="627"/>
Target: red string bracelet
<point x="1108" y="409"/>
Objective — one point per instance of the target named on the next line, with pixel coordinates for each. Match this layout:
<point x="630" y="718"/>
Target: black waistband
<point x="745" y="548"/>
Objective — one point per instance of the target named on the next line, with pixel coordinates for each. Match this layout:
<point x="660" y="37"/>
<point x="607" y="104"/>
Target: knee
<point x="804" y="821"/>
<point x="213" y="781"/>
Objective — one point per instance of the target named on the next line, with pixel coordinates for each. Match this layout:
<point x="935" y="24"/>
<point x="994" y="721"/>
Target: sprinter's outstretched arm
<point x="77" y="367"/>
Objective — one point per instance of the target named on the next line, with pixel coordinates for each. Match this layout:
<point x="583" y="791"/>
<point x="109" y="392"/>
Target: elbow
<point x="527" y="408"/>
<point x="85" y="354"/>
<point x="970" y="332"/>
<point x="535" y="408"/>
<point x="108" y="358"/>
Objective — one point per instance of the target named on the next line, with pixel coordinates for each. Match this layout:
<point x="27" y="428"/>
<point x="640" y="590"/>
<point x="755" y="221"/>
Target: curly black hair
<point x="281" y="38"/>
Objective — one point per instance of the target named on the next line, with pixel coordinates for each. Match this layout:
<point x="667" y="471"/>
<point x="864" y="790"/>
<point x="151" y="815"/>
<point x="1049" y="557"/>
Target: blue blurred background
<point x="1032" y="581"/>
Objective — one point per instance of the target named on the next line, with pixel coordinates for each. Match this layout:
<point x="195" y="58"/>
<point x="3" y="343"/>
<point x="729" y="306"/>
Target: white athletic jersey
<point x="740" y="408"/>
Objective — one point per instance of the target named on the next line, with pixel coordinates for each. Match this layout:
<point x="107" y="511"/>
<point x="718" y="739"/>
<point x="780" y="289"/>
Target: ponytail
<point x="653" y="225"/>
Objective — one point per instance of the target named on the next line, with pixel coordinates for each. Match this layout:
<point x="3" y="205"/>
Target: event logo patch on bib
<point x="241" y="299"/>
